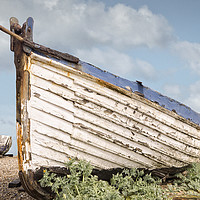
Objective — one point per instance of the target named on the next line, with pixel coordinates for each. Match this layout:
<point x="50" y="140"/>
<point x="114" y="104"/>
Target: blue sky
<point x="154" y="41"/>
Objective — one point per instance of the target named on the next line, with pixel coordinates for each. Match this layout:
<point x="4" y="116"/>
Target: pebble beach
<point x="9" y="173"/>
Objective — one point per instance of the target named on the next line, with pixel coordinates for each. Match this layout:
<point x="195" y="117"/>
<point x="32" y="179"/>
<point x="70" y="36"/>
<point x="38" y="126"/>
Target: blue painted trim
<point x="148" y="93"/>
<point x="30" y="22"/>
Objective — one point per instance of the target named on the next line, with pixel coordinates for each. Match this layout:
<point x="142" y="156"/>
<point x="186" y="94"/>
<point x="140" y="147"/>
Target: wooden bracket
<point x="27" y="29"/>
<point x="13" y="22"/>
<point x="27" y="33"/>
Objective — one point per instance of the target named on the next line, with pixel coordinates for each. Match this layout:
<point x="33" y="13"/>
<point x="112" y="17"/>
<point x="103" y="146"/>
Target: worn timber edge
<point x="50" y="52"/>
<point x="106" y="174"/>
<point x="24" y="35"/>
<point x="21" y="60"/>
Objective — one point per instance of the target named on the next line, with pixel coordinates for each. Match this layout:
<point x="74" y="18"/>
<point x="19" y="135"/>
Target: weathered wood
<point x="27" y="41"/>
<point x="50" y="52"/>
<point x="13" y="22"/>
<point x="11" y="33"/>
<point x="106" y="174"/>
<point x="81" y="117"/>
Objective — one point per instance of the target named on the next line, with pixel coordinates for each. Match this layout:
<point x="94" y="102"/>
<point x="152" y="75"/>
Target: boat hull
<point x="5" y="144"/>
<point x="71" y="114"/>
<point x="67" y="108"/>
<point x="63" y="112"/>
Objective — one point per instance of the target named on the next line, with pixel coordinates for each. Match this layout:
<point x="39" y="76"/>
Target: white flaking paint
<point x="72" y="115"/>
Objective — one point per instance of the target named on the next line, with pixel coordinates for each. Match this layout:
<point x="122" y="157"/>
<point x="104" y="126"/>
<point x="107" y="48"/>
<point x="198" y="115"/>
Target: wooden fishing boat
<point x="5" y="144"/>
<point x="68" y="108"/>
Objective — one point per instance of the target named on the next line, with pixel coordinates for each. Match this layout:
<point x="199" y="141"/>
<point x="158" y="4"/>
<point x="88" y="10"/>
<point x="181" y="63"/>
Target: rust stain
<point x="23" y="94"/>
<point x="110" y="86"/>
<point x="19" y="144"/>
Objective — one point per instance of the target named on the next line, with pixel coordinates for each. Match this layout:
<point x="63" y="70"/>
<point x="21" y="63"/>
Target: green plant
<point x="81" y="185"/>
<point x="133" y="184"/>
<point x="190" y="180"/>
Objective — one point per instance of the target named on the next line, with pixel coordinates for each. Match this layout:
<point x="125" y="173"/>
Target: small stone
<point x="15" y="183"/>
<point x="9" y="155"/>
<point x="21" y="189"/>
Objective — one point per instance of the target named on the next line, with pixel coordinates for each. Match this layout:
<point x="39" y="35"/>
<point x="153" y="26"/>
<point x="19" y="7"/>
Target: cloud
<point x="118" y="63"/>
<point x="6" y="122"/>
<point x="145" y="70"/>
<point x="193" y="99"/>
<point x="4" y="44"/>
<point x="172" y="90"/>
<point x="8" y="117"/>
<point x="90" y="23"/>
<point x="49" y="4"/>
<point x="5" y="54"/>
<point x="190" y="53"/>
<point x="72" y="25"/>
<point x="130" y="27"/>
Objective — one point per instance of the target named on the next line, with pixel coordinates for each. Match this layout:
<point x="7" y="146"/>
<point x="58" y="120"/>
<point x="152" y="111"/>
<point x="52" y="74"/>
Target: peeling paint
<point x="69" y="109"/>
<point x="80" y="116"/>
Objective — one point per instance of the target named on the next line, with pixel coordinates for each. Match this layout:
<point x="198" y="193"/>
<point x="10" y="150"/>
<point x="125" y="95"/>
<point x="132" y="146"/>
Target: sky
<point x="153" y="41"/>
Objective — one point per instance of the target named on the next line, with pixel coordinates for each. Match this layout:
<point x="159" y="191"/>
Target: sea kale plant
<point x="134" y="184"/>
<point x="131" y="184"/>
<point x="190" y="180"/>
<point x="80" y="184"/>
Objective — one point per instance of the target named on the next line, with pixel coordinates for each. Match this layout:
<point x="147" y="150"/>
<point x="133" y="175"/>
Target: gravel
<point x="9" y="173"/>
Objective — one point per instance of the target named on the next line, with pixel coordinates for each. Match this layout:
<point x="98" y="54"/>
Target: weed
<point x="131" y="184"/>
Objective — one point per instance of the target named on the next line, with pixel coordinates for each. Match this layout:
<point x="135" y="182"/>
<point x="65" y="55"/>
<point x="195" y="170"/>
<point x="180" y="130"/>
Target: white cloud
<point x="88" y="23"/>
<point x="145" y="69"/>
<point x="68" y="25"/>
<point x="194" y="98"/>
<point x="91" y="23"/>
<point x="172" y="90"/>
<point x="130" y="27"/>
<point x="49" y="4"/>
<point x="190" y="53"/>
<point x="118" y="62"/>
